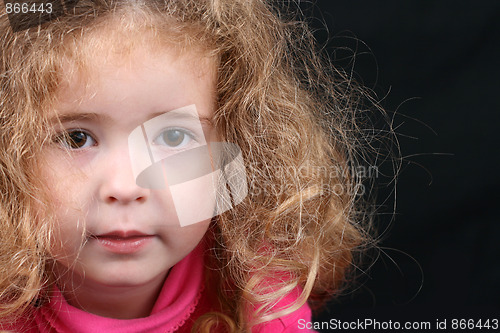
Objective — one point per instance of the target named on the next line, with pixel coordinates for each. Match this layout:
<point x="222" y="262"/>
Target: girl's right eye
<point x="75" y="139"/>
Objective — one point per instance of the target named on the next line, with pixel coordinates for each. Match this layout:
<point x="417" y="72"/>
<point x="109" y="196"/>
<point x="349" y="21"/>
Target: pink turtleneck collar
<point x="181" y="301"/>
<point x="173" y="307"/>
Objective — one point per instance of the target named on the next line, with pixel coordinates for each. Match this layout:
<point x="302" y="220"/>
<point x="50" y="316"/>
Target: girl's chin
<point x="107" y="278"/>
<point x="126" y="278"/>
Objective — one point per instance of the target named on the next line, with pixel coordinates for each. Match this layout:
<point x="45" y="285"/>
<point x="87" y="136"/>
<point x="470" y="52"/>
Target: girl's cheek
<point x="69" y="218"/>
<point x="65" y="188"/>
<point x="67" y="240"/>
<point x="65" y="170"/>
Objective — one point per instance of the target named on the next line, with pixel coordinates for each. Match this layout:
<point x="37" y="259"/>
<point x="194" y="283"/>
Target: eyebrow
<point x="82" y="116"/>
<point x="76" y="116"/>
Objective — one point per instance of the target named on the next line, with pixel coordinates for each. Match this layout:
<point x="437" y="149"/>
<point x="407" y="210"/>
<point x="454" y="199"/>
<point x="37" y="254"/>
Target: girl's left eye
<point x="75" y="139"/>
<point x="174" y="137"/>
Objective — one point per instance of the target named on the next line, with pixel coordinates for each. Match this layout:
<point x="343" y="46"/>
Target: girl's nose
<point x="118" y="184"/>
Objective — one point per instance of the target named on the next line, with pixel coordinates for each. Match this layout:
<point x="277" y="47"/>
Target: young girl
<point x="110" y="115"/>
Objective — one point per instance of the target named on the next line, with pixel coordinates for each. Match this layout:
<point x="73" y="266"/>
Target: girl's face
<point x="130" y="235"/>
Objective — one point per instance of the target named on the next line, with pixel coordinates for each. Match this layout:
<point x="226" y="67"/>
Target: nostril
<point x="116" y="191"/>
<point x="125" y="199"/>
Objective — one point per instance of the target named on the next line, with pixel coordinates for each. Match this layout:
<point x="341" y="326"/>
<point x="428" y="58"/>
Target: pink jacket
<point x="181" y="301"/>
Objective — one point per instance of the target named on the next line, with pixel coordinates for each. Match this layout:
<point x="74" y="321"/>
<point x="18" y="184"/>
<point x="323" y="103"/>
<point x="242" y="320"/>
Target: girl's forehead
<point x="82" y="70"/>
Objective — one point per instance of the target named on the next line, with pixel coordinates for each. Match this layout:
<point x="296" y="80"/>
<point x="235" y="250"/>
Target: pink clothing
<point x="181" y="301"/>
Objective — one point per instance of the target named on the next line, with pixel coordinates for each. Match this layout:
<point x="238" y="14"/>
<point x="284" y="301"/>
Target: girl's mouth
<point x="121" y="242"/>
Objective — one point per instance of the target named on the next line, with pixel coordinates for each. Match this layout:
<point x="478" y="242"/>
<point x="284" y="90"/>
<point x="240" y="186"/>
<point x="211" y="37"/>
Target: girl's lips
<point x="123" y="234"/>
<point x="124" y="242"/>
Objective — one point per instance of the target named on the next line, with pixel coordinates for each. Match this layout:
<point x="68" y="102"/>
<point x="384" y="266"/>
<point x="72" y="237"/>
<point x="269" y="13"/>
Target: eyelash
<point x="66" y="141"/>
<point x="184" y="131"/>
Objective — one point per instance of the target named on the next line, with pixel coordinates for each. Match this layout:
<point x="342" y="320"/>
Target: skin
<point x="93" y="187"/>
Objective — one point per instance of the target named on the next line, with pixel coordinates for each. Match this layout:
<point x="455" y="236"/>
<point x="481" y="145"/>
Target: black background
<point x="438" y="63"/>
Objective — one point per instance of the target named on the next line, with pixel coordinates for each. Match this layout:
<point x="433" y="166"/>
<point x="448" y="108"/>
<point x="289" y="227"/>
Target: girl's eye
<point x="76" y="139"/>
<point x="174" y="137"/>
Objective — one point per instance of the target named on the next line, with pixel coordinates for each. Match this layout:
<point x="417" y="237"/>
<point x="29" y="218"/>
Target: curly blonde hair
<point x="297" y="120"/>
